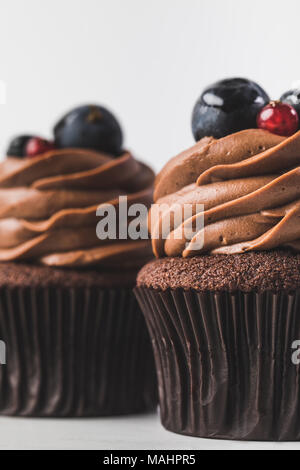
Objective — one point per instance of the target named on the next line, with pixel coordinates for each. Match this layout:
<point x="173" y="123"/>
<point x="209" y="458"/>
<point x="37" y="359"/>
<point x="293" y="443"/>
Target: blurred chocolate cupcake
<point x="76" y="341"/>
<point x="222" y="300"/>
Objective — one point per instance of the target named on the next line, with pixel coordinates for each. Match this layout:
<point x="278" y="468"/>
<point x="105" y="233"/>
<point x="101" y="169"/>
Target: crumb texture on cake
<point x="30" y="275"/>
<point x="255" y="271"/>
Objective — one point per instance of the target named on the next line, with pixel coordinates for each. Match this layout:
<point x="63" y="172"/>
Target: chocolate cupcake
<point x="76" y="341"/>
<point x="222" y="301"/>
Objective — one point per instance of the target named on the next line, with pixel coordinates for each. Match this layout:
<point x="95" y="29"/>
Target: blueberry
<point x="92" y="127"/>
<point x="226" y="107"/>
<point x="17" y="146"/>
<point x="292" y="97"/>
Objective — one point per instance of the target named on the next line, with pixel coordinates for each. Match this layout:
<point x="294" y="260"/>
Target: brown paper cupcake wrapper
<point x="224" y="362"/>
<point x="74" y="352"/>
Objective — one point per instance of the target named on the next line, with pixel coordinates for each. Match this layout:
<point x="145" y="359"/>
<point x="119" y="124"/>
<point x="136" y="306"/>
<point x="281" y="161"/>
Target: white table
<point x="130" y="433"/>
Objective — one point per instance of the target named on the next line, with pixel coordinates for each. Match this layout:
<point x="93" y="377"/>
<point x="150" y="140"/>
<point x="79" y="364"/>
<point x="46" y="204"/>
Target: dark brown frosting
<point x="48" y="207"/>
<point x="249" y="184"/>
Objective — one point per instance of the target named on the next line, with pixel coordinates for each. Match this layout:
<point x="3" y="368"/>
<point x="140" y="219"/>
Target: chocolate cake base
<point x="76" y="344"/>
<point x="31" y="275"/>
<point x="261" y="271"/>
<point x="224" y="344"/>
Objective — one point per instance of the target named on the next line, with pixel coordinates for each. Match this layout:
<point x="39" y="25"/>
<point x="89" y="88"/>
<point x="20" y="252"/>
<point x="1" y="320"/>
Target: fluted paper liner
<point x="74" y="352"/>
<point x="224" y="362"/>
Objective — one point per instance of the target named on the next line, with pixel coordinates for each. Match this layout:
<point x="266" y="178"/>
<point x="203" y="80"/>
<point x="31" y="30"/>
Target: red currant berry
<point x="278" y="118"/>
<point x="37" y="146"/>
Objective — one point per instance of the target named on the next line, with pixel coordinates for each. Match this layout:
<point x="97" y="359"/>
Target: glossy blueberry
<point x="226" y="107"/>
<point x="17" y="146"/>
<point x="292" y="97"/>
<point x="92" y="127"/>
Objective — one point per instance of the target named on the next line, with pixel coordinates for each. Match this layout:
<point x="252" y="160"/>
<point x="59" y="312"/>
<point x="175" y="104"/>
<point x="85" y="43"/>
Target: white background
<point x="148" y="61"/>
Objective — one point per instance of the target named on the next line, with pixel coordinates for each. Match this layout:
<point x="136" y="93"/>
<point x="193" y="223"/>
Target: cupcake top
<point x="244" y="187"/>
<point x="48" y="202"/>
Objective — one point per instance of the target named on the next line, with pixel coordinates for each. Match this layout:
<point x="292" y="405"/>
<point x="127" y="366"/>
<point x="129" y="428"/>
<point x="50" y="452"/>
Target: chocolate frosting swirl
<point x="48" y="207"/>
<point x="249" y="184"/>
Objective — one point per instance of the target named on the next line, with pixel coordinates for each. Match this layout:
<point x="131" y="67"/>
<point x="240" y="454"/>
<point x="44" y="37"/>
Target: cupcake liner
<point x="74" y="352"/>
<point x="224" y="362"/>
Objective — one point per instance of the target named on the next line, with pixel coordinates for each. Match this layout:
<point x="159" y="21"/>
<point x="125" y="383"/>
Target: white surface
<point x="128" y="433"/>
<point x="147" y="60"/>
